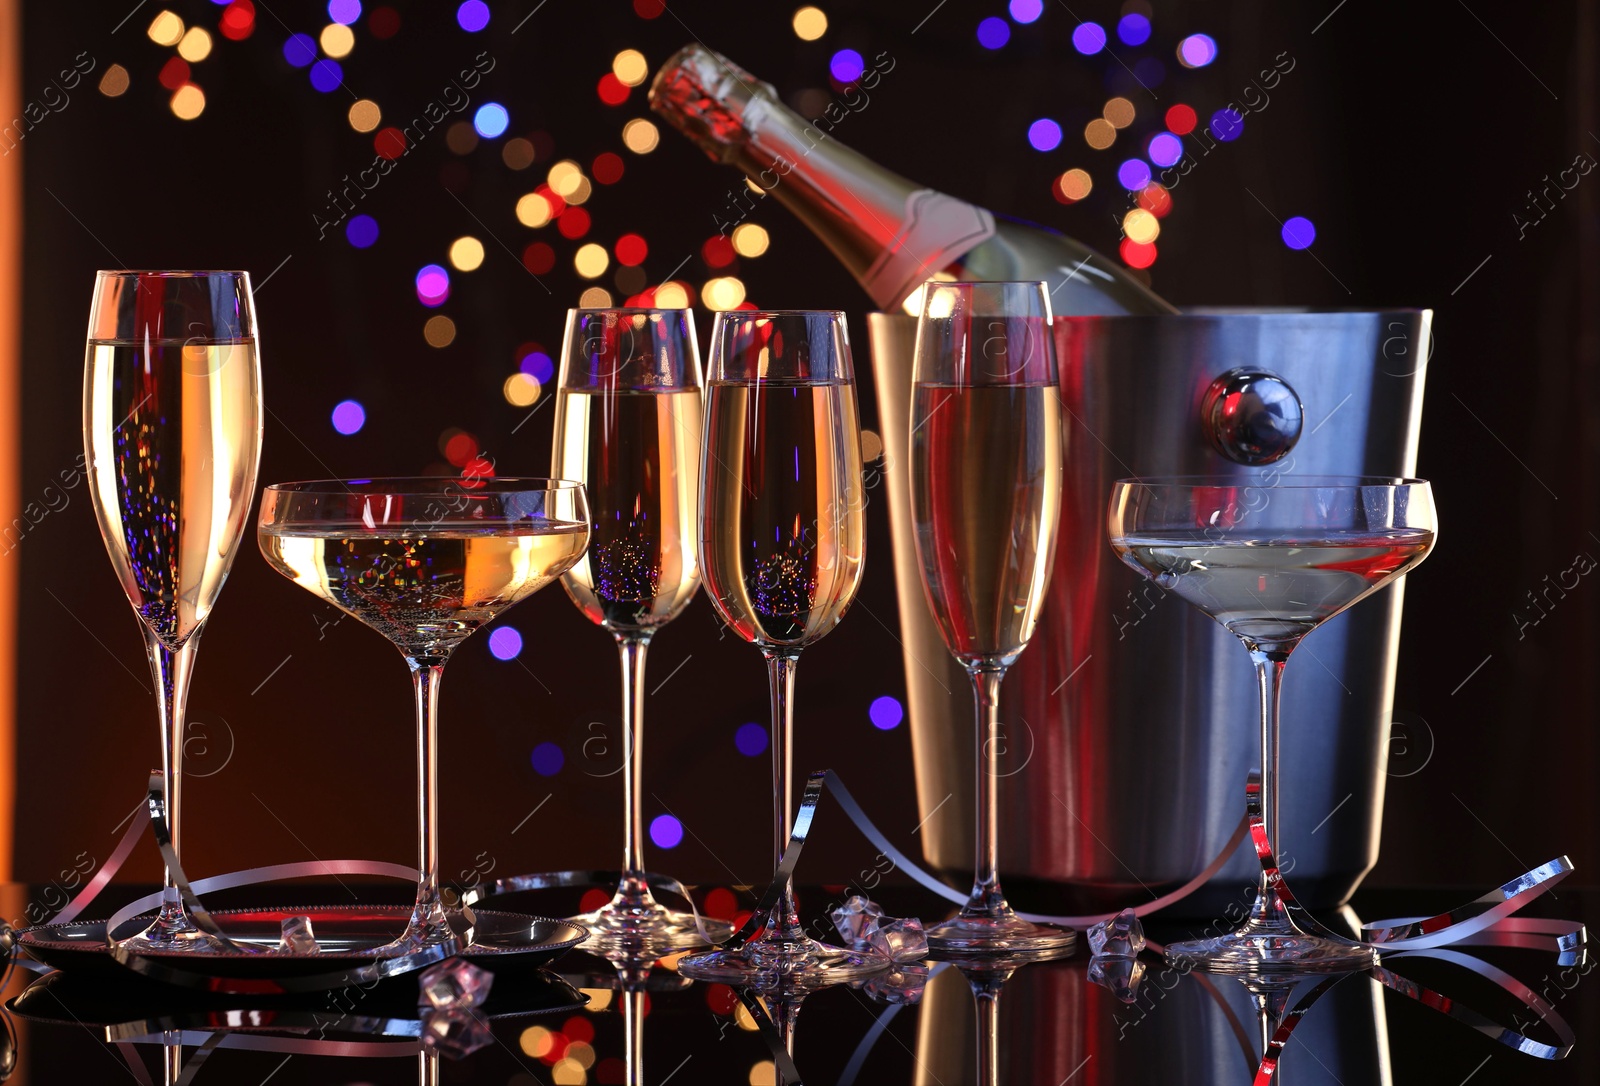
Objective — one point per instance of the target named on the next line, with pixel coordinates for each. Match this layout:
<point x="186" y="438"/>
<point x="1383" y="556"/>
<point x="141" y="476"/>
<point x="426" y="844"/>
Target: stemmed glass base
<point x="1270" y="940"/>
<point x="171" y="930"/>
<point x="635" y="920"/>
<point x="1002" y="933"/>
<point x="796" y="963"/>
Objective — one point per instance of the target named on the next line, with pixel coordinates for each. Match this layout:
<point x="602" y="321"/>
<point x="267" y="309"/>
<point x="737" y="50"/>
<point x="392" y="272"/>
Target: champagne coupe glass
<point x="628" y="428"/>
<point x="1270" y="563"/>
<point x="172" y="429"/>
<point x="986" y="463"/>
<point x="425" y="562"/>
<point x="782" y="534"/>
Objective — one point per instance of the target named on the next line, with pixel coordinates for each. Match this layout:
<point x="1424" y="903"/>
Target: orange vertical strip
<point x="10" y="412"/>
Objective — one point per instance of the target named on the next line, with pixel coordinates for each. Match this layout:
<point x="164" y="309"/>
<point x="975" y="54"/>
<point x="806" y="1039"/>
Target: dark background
<point x="1410" y="134"/>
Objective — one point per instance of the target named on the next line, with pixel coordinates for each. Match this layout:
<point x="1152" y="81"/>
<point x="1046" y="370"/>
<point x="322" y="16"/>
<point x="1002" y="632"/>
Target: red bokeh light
<point x="174" y="73"/>
<point x="631" y="250"/>
<point x="558" y="1049"/>
<point x="592" y="899"/>
<point x="649" y="9"/>
<point x="557" y="204"/>
<point x="1136" y="254"/>
<point x="1155" y="199"/>
<point x="389" y="143"/>
<point x="461" y="448"/>
<point x="612" y="91"/>
<point x="1181" y="120"/>
<point x="578" y="1028"/>
<point x="238" y="20"/>
<point x="720" y="904"/>
<point x="477" y="468"/>
<point x="721" y="999"/>
<point x="718" y="252"/>
<point x="573" y="222"/>
<point x="384" y="23"/>
<point x="539" y="258"/>
<point x="607" y="168"/>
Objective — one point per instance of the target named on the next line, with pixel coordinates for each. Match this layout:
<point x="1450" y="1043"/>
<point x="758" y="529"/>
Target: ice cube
<point x="1120" y="976"/>
<point x="1120" y="937"/>
<point x="900" y="940"/>
<point x="298" y="938"/>
<point x="454" y="1032"/>
<point x="455" y="983"/>
<point x="903" y="984"/>
<point x="856" y="920"/>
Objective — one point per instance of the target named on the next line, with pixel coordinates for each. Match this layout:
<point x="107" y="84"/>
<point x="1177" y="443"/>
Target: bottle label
<point x="936" y="231"/>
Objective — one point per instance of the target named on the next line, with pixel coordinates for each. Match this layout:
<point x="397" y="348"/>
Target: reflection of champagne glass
<point x="782" y="531"/>
<point x="1271" y="563"/>
<point x="986" y="462"/>
<point x="628" y="428"/>
<point x="172" y="425"/>
<point x="425" y="562"/>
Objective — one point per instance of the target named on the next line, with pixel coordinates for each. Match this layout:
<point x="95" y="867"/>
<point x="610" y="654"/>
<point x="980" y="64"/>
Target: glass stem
<point x="987" y="899"/>
<point x="1268" y="912"/>
<point x="428" y="919"/>
<point x="171" y="669"/>
<point x="633" y="1039"/>
<point x="988" y="1003"/>
<point x="633" y="891"/>
<point x="784" y="924"/>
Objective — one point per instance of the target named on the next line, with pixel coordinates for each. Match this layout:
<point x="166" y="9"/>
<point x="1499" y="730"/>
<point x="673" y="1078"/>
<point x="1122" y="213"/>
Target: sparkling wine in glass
<point x="1271" y="563"/>
<point x="628" y="413"/>
<point x="172" y="426"/>
<point x="782" y="535"/>
<point x="985" y="468"/>
<point x="425" y="562"/>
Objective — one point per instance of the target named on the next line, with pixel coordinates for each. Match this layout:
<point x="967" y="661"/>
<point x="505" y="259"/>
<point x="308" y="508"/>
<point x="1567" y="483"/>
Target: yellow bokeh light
<point x="591" y="260"/>
<point x="1076" y="184"/>
<point x="440" y="331"/>
<point x="594" y="298"/>
<point x="630" y="67"/>
<point x="365" y="115"/>
<point x="810" y="23"/>
<point x="580" y="192"/>
<point x="466" y="253"/>
<point x="750" y="239"/>
<point x="188" y="102"/>
<point x="114" y="83"/>
<point x="640" y="136"/>
<point x="1099" y="134"/>
<point x="522" y="390"/>
<point x="671" y="296"/>
<point x="581" y="1053"/>
<point x="518" y="154"/>
<point x="568" y="1072"/>
<point x="723" y="293"/>
<point x="535" y="1040"/>
<point x="337" y="40"/>
<point x="166" y="29"/>
<point x="533" y="210"/>
<point x="871" y="446"/>
<point x="599" y="999"/>
<point x="195" y="45"/>
<point x="1118" y="111"/>
<point x="1141" y="226"/>
<point x="764" y="1073"/>
<point x="742" y="1016"/>
<point x="564" y="177"/>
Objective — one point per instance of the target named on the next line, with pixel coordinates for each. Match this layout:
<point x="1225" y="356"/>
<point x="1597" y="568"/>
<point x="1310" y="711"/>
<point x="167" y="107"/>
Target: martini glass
<point x="425" y="562"/>
<point x="1270" y="564"/>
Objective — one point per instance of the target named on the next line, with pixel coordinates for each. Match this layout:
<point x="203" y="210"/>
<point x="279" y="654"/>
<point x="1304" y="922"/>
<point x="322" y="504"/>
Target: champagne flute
<point x="172" y="427"/>
<point x="1270" y="564"/>
<point x="425" y="562"/>
<point x="986" y="462"/>
<point x="628" y="428"/>
<point x="782" y="534"/>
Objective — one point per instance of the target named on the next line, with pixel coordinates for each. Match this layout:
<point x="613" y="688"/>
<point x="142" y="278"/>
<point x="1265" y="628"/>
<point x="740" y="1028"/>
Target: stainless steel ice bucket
<point x="1131" y="719"/>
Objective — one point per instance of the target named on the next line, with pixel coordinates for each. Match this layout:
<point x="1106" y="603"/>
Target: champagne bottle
<point x="891" y="233"/>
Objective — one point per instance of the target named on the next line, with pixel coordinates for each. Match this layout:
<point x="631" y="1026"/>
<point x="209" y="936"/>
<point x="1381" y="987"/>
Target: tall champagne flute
<point x="1271" y="563"/>
<point x="782" y="534"/>
<point x="425" y="562"/>
<point x="986" y="461"/>
<point x="172" y="427"/>
<point x="628" y="427"/>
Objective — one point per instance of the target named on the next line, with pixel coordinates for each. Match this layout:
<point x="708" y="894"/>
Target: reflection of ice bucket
<point x="1131" y="719"/>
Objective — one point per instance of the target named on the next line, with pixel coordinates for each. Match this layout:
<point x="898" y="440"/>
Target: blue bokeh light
<point x="1197" y="50"/>
<point x="433" y="285"/>
<point x="1299" y="233"/>
<point x="751" y="739"/>
<point x="1227" y="124"/>
<point x="1165" y="149"/>
<point x="1089" y="38"/>
<point x="1026" y="11"/>
<point x="349" y="417"/>
<point x="473" y="16"/>
<point x="505" y="643"/>
<point x="361" y="231"/>
<point x="993" y="32"/>
<point x="1133" y="29"/>
<point x="547" y="759"/>
<point x="344" y="11"/>
<point x="847" y="66"/>
<point x="491" y="120"/>
<point x="666" y="831"/>
<point x="327" y="76"/>
<point x="538" y="365"/>
<point x="1044" y="134"/>
<point x="1134" y="174"/>
<point x="886" y="712"/>
<point x="300" y="50"/>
